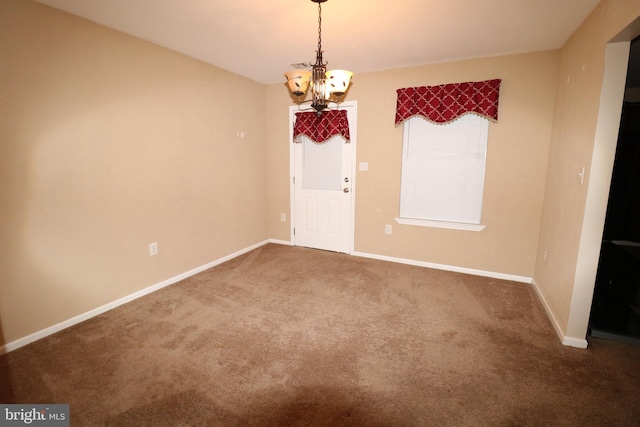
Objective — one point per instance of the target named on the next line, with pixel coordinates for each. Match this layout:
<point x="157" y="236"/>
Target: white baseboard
<point x="21" y="342"/>
<point x="568" y="341"/>
<point x="575" y="342"/>
<point x="281" y="242"/>
<point x="444" y="267"/>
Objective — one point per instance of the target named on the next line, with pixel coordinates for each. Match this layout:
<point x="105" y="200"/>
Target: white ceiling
<point x="261" y="39"/>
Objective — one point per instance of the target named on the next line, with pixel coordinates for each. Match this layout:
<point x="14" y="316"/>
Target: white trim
<point x="281" y="242"/>
<point x="568" y="341"/>
<point x="444" y="267"/>
<point x="575" y="342"/>
<point x="353" y="134"/>
<point x="598" y="186"/>
<point x="441" y="224"/>
<point x="21" y="342"/>
<point x="292" y="174"/>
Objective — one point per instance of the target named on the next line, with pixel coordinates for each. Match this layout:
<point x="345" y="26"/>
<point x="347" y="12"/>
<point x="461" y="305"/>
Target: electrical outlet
<point x="388" y="229"/>
<point x="153" y="248"/>
<point x="283" y="217"/>
<point x="544" y="255"/>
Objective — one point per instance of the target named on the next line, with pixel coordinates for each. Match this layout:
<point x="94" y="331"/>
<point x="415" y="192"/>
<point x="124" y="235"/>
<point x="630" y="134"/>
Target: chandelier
<point x="324" y="84"/>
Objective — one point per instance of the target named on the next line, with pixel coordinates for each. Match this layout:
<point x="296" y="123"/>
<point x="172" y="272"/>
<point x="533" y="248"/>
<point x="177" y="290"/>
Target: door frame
<point x="353" y="133"/>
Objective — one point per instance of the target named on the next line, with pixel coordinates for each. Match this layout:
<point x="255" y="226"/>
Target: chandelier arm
<point x="331" y="106"/>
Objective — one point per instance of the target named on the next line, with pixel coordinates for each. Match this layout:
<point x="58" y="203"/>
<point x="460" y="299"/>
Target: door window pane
<point x="322" y="164"/>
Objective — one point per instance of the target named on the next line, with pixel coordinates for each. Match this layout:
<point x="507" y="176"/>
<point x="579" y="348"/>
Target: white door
<point x="323" y="189"/>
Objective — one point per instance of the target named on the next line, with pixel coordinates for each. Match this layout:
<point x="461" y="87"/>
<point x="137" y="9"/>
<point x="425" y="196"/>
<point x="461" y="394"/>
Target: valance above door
<point x="321" y="128"/>
<point x="447" y="102"/>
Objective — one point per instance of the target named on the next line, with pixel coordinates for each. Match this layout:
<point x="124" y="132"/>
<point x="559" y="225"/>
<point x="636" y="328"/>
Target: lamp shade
<point x="338" y="81"/>
<point x="298" y="81"/>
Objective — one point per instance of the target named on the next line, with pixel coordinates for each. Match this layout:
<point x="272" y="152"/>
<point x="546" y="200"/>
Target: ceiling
<point x="261" y="39"/>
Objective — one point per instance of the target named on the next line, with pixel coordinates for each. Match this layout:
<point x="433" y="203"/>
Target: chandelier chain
<point x="319" y="52"/>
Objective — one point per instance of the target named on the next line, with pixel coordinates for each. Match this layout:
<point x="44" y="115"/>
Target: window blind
<point x="443" y="169"/>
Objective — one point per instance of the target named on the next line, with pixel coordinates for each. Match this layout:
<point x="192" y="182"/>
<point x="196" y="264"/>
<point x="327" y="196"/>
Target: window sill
<point x="441" y="224"/>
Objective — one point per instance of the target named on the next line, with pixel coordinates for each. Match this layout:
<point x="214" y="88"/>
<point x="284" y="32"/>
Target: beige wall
<point x="277" y="117"/>
<point x="572" y="146"/>
<point x="516" y="165"/>
<point x="108" y="143"/>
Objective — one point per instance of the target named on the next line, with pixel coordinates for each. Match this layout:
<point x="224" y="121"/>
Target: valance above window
<point x="323" y="127"/>
<point x="444" y="103"/>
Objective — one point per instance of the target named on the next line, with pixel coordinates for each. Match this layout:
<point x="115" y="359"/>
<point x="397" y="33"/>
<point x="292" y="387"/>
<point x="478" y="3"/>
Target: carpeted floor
<point x="288" y="336"/>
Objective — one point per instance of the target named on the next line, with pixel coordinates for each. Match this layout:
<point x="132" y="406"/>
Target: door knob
<point x="346" y="190"/>
<point x="346" y="179"/>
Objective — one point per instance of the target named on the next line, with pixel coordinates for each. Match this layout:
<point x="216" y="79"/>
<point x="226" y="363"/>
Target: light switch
<point x="581" y="174"/>
<point x="364" y="166"/>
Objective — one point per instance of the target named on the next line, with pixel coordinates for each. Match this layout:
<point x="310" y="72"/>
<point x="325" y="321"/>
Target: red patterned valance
<point x="323" y="127"/>
<point x="444" y="103"/>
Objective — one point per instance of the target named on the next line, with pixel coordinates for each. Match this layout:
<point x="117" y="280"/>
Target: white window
<point x="443" y="169"/>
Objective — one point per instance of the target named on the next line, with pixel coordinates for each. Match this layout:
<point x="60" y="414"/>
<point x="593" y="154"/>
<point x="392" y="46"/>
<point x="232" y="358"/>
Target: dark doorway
<point x="615" y="312"/>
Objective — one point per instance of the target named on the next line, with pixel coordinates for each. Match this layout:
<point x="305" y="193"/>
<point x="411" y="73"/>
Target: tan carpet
<point x="298" y="337"/>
